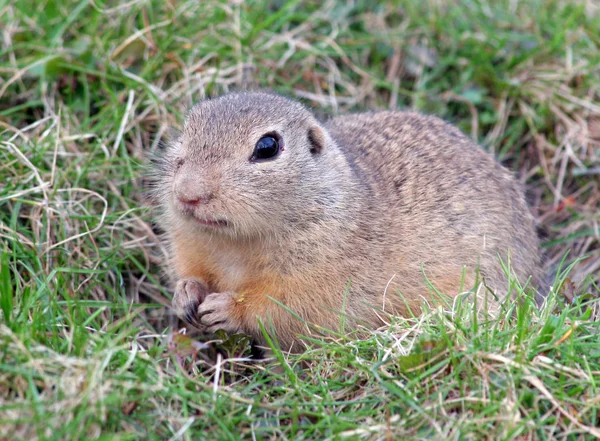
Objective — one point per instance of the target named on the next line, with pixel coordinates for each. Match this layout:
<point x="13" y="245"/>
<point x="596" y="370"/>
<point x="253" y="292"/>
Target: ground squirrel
<point x="263" y="205"/>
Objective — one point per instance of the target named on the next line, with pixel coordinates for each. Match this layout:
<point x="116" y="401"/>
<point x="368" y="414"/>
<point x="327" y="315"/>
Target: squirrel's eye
<point x="267" y="147"/>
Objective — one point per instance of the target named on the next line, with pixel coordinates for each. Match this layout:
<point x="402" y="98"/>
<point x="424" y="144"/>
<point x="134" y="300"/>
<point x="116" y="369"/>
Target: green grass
<point x="86" y="343"/>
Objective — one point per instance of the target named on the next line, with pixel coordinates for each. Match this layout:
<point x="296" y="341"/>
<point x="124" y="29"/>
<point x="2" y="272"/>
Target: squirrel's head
<point x="247" y="165"/>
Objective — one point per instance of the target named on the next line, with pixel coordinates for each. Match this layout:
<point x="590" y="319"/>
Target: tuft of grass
<point x="89" y="348"/>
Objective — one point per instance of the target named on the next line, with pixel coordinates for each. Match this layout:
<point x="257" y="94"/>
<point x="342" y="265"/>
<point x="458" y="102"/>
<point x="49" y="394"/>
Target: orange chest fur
<point x="226" y="269"/>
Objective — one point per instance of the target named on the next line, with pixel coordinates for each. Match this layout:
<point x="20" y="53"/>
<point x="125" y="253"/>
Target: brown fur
<point x="383" y="200"/>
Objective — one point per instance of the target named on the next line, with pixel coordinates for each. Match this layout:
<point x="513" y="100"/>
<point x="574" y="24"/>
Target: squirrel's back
<point x="444" y="198"/>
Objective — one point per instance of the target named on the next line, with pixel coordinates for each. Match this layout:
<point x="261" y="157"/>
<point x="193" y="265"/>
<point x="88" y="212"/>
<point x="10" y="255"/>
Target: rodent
<point x="263" y="205"/>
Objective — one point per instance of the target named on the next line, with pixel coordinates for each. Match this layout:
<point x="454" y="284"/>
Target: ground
<point x="87" y="347"/>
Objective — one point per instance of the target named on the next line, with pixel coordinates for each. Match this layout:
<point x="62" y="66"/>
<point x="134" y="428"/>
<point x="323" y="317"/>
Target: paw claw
<point x="215" y="313"/>
<point x="190" y="313"/>
<point x="189" y="293"/>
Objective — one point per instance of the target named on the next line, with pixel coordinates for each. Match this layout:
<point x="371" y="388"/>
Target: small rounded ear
<point x="316" y="138"/>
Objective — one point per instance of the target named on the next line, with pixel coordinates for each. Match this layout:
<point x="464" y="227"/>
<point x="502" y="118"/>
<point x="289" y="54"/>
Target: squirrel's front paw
<point x="216" y="312"/>
<point x="189" y="293"/>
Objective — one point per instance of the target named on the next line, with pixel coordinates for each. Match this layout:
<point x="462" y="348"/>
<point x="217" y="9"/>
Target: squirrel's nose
<point x="190" y="200"/>
<point x="192" y="191"/>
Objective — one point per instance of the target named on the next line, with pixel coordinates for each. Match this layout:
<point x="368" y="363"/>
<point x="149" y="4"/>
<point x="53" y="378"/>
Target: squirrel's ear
<point x="316" y="138"/>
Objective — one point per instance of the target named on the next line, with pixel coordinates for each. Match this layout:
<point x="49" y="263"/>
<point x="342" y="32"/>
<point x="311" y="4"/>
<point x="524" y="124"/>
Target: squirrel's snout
<point x="192" y="194"/>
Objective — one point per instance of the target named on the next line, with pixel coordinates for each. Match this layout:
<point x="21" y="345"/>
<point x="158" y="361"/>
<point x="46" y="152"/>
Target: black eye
<point x="267" y="147"/>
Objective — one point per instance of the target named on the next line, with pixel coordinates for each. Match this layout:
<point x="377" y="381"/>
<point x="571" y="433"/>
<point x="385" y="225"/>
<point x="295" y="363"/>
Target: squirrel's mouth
<point x="214" y="222"/>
